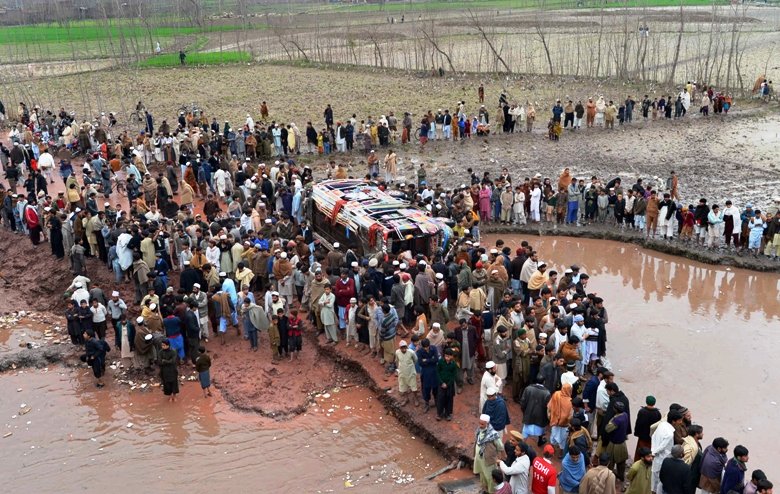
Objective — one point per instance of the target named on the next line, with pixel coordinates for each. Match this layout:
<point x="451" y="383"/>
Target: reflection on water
<point x="717" y="291"/>
<point x="685" y="332"/>
<point x="129" y="440"/>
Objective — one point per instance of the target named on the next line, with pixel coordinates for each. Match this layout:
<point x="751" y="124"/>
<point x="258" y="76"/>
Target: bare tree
<point x="476" y="23"/>
<point x="672" y="71"/>
<point x="430" y="36"/>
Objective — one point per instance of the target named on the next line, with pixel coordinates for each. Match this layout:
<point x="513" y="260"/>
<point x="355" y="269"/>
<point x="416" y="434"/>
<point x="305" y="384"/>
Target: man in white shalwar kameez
<point x="489" y="380"/>
<point x="661" y="444"/>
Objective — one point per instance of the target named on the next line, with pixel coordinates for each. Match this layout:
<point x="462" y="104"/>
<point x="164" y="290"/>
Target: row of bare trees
<point x="628" y="44"/>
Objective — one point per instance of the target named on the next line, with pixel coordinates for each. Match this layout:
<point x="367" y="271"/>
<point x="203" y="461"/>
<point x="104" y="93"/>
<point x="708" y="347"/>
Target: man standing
<point x="466" y="336"/>
<point x="446" y="371"/>
<point x="599" y="480"/>
<point x="734" y="473"/>
<point x="116" y="307"/>
<point x="675" y="473"/>
<point x="495" y="407"/>
<point x="519" y="469"/>
<point x="662" y="441"/>
<point x="640" y="472"/>
<point x="533" y="403"/>
<point x="521" y="363"/>
<point x="572" y="470"/>
<point x="405" y="362"/>
<point x="487" y="449"/>
<point x="559" y="411"/>
<point x="544" y="475"/>
<point x="713" y="461"/>
<point x="647" y="416"/>
<point x="489" y="380"/>
<point x="192" y="329"/>
<point x="169" y="373"/>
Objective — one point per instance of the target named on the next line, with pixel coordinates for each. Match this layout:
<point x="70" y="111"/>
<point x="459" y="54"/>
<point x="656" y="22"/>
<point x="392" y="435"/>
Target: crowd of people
<point x="250" y="263"/>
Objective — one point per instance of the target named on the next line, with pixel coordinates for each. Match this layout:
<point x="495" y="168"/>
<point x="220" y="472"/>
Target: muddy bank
<point x="252" y="383"/>
<point x="606" y="232"/>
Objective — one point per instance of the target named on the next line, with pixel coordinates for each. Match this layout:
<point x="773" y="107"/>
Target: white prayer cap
<point x="542" y="335"/>
<point x="373" y="262"/>
<point x="140" y="320"/>
<point x="568" y="271"/>
<point x="148" y="337"/>
<point x="196" y="285"/>
<point x="421" y="263"/>
<point x="491" y="391"/>
<point x="490" y="364"/>
<point x="47" y="209"/>
<point x="275" y="294"/>
<point x="223" y="237"/>
<point x="336" y="245"/>
<point x="573" y="305"/>
<point x="436" y="325"/>
<point x="222" y="274"/>
<point x="354" y="264"/>
<point x="494" y="251"/>
<point x="152" y="306"/>
<point x="484" y="418"/>
<point x="395" y="263"/>
<point x="402" y="343"/>
<point x="283" y="255"/>
<point x="186" y="263"/>
<point x="115" y="293"/>
<point x="353" y="300"/>
<point x="402" y="265"/>
<point x="476" y="244"/>
<point x="269" y="220"/>
<point x="78" y="210"/>
<point x="106" y="204"/>
<point x="494" y="271"/>
<point x="439" y="276"/>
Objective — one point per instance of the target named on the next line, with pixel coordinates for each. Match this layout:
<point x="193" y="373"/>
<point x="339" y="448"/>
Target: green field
<point x="511" y="4"/>
<point x="95" y="31"/>
<point x="209" y="58"/>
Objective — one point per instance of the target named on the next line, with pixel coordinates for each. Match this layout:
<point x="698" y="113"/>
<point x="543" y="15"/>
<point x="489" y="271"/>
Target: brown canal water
<point x="75" y="438"/>
<point x="685" y="332"/>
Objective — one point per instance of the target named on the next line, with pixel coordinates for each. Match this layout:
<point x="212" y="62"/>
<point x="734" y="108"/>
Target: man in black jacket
<point x="675" y="473"/>
<point x="700" y="214"/>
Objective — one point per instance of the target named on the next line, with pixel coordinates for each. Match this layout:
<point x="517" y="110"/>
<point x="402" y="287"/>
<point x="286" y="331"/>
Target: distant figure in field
<point x="182" y="56"/>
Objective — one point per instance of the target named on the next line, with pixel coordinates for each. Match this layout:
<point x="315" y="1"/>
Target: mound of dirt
<point x="37" y="279"/>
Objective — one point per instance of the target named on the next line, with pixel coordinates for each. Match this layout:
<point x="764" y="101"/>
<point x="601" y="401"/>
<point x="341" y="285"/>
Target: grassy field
<point x="94" y="31"/>
<point x="210" y="58"/>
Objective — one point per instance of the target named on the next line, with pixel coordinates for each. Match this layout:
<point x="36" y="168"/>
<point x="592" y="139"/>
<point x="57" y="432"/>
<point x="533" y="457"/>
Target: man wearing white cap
<point x="144" y="348"/>
<point x="201" y="299"/>
<point x="489" y="380"/>
<point x="487" y="449"/>
<point x="80" y="293"/>
<point x="405" y="362"/>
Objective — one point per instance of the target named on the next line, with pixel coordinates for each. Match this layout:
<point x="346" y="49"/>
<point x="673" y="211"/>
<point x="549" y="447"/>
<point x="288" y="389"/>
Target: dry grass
<point x="299" y="94"/>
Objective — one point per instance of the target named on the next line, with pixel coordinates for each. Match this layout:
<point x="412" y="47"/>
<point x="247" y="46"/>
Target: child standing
<point x="202" y="365"/>
<point x="294" y="335"/>
<point x="351" y="312"/>
<point x="273" y="336"/>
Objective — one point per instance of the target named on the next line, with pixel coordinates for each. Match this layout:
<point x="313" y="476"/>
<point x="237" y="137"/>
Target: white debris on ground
<point x="36" y="329"/>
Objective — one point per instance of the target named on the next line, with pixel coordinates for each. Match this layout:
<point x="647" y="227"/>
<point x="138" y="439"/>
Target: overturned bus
<point x="361" y="216"/>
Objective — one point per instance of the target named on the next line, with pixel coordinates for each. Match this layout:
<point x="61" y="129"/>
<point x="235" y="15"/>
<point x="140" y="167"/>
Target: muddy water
<point x="687" y="333"/>
<point x="128" y="441"/>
